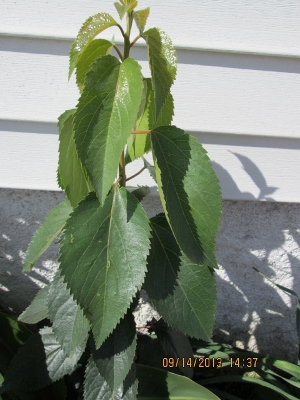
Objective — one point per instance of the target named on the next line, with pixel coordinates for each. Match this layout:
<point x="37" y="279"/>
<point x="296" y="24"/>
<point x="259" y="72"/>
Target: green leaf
<point x="70" y="326"/>
<point x="246" y="379"/>
<point x="95" y="49"/>
<point x="115" y="357"/>
<point x="106" y="114"/>
<point x="38" y="308"/>
<point x="46" y="233"/>
<point x="96" y="388"/>
<point x="12" y="336"/>
<point x="176" y="345"/>
<point x="91" y="28"/>
<point x="72" y="177"/>
<point x="140" y="144"/>
<point x="189" y="191"/>
<point x="141" y="192"/>
<point x="151" y="169"/>
<point x="103" y="257"/>
<point x="161" y="385"/>
<point x="183" y="293"/>
<point x="141" y="17"/>
<point x="39" y="362"/>
<point x="163" y="65"/>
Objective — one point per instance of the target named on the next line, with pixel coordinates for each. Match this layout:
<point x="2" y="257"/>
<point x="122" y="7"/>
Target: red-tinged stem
<point x="140" y="132"/>
<point x="133" y="176"/>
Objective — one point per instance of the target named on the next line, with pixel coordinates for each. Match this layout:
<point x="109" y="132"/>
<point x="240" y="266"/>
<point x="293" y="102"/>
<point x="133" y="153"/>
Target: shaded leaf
<point x="189" y="191"/>
<point x="96" y="388"/>
<point x="72" y="177"/>
<point x="55" y="391"/>
<point x="141" y="17"/>
<point x="95" y="49"/>
<point x="141" y="192"/>
<point x="12" y="336"/>
<point x="46" y="233"/>
<point x="38" y="308"/>
<point x="157" y="384"/>
<point x="103" y="257"/>
<point x="69" y="324"/>
<point x="115" y="357"/>
<point x="91" y="28"/>
<point x="163" y="65"/>
<point x="39" y="362"/>
<point x="183" y="293"/>
<point x="140" y="144"/>
<point x="106" y="113"/>
<point x="176" y="345"/>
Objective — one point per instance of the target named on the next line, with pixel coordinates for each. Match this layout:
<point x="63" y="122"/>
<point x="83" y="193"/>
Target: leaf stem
<point x="139" y="172"/>
<point x="140" y="132"/>
<point x="135" y="40"/>
<point x="118" y="51"/>
<point x="121" y="29"/>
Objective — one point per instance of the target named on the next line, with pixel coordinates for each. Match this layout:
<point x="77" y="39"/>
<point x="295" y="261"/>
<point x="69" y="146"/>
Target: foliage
<point x="86" y="344"/>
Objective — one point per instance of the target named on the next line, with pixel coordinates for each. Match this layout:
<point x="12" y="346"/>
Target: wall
<point x="237" y="91"/>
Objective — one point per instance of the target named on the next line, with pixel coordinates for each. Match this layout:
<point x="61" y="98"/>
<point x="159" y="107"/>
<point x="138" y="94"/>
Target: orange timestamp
<point x="197" y="362"/>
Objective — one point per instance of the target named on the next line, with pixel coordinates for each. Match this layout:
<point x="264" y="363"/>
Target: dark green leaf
<point x="39" y="362"/>
<point x="70" y="326"/>
<point x="190" y="192"/>
<point x="140" y="144"/>
<point x="115" y="357"/>
<point x="38" y="309"/>
<point x="141" y="17"/>
<point x="55" y="391"/>
<point x="141" y="192"/>
<point x="72" y="177"/>
<point x="177" y="346"/>
<point x="182" y="292"/>
<point x="161" y="385"/>
<point x="96" y="48"/>
<point x="106" y="114"/>
<point x="47" y="233"/>
<point x="163" y="65"/>
<point x="103" y="257"/>
<point x="96" y="388"/>
<point x="91" y="28"/>
<point x="12" y="336"/>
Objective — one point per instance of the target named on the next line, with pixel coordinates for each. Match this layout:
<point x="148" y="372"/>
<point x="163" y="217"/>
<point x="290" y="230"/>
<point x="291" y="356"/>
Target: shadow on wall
<point x="21" y="212"/>
<point x="252" y="313"/>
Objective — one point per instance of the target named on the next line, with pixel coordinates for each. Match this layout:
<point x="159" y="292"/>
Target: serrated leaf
<point x="141" y="192"/>
<point x="72" y="177"/>
<point x="106" y="113"/>
<point x="38" y="308"/>
<point x="161" y="385"/>
<point x="163" y="65"/>
<point x="189" y="191"/>
<point x="12" y="336"/>
<point x="95" y="49"/>
<point x="96" y="388"/>
<point x="39" y="362"/>
<point x="151" y="169"/>
<point x="91" y="28"/>
<point x="47" y="233"/>
<point x="176" y="345"/>
<point x="141" y="17"/>
<point x="103" y="257"/>
<point x="140" y="144"/>
<point x="182" y="292"/>
<point x="115" y="357"/>
<point x="69" y="324"/>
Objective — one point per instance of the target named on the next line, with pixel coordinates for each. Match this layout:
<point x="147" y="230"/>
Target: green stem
<point x="122" y="172"/>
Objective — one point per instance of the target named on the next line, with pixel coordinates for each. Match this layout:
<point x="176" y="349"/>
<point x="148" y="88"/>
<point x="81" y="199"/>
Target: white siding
<point x="237" y="88"/>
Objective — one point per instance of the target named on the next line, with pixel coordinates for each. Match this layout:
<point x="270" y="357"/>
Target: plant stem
<point x="118" y="51"/>
<point x="141" y="132"/>
<point x="135" y="40"/>
<point x="122" y="172"/>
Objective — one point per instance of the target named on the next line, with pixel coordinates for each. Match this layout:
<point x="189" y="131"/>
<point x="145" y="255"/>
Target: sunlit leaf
<point x="103" y="257"/>
<point x="106" y="114"/>
<point x="38" y="308"/>
<point x="189" y="191"/>
<point x="91" y="28"/>
<point x="141" y="17"/>
<point x="46" y="233"/>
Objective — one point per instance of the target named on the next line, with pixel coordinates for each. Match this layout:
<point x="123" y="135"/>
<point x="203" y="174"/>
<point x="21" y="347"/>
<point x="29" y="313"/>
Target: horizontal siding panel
<point x="257" y="25"/>
<point x="248" y="95"/>
<point x="248" y="168"/>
